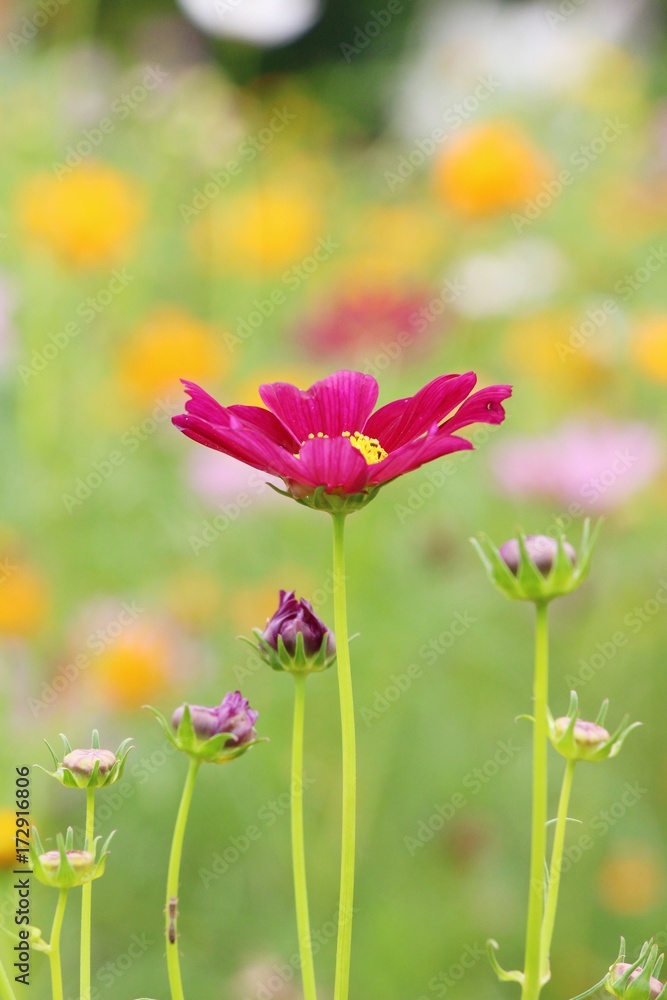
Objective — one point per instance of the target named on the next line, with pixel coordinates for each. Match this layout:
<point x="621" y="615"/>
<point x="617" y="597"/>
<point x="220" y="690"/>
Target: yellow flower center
<point x="370" y="448"/>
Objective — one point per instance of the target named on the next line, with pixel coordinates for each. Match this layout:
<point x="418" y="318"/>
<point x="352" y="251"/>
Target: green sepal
<point x="66" y="875"/>
<point x="210" y="751"/>
<point x="334" y="503"/>
<point x="515" y="976"/>
<point x="294" y="663"/>
<point x="529" y="583"/>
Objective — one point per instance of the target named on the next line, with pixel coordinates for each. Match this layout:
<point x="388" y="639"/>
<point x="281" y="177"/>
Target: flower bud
<point x="654" y="985"/>
<point x="578" y="739"/>
<point x="541" y="549"/>
<point x="65" y="867"/>
<point x="535" y="567"/>
<point x="88" y="768"/>
<point x="215" y="734"/>
<point x="295" y="639"/>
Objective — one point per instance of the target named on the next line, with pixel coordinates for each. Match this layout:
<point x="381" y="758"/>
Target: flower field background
<point x="406" y="190"/>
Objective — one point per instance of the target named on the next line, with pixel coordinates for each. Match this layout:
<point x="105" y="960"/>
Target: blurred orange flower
<point x="88" y="218"/>
<point x="136" y="667"/>
<point x="7" y="838"/>
<point x="261" y="229"/>
<point x="648" y="347"/>
<point x="490" y="168"/>
<point x="544" y="345"/>
<point x="195" y="599"/>
<point x="393" y="242"/>
<point x="631" y="881"/>
<point x="170" y="344"/>
<point x="24" y="599"/>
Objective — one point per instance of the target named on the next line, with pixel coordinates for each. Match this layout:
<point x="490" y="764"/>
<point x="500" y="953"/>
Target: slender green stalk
<point x="171" y="910"/>
<point x="87" y="901"/>
<point x="346" y="903"/>
<point x="298" y="850"/>
<point x="555" y="868"/>
<point x="6" y="991"/>
<point x="54" y="947"/>
<point x="532" y="968"/>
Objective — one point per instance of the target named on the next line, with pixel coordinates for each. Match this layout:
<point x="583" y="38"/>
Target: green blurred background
<point x="405" y="189"/>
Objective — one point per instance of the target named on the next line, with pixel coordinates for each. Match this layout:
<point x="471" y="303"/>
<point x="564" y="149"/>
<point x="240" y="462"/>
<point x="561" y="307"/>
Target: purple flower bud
<point x="542" y="550"/>
<point x="82" y="762"/>
<point x="295" y="617"/>
<point x="233" y="716"/>
<point x="586" y="734"/>
<point x="656" y="986"/>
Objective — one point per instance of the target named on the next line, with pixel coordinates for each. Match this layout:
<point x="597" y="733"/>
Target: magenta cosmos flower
<point x="326" y="443"/>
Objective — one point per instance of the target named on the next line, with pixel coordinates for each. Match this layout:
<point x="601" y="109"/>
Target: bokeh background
<point x="246" y="192"/>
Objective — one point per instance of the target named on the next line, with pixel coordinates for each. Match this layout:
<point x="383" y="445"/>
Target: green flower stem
<point x="555" y="867"/>
<point x="298" y="850"/>
<point x="87" y="901"/>
<point x="6" y="991"/>
<point x="54" y="947"/>
<point x="171" y="910"/>
<point x="532" y="968"/>
<point x="344" y="945"/>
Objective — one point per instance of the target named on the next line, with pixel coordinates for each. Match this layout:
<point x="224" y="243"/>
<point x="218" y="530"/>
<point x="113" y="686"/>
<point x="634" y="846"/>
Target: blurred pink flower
<point x="8" y="304"/>
<point x="218" y="478"/>
<point x="379" y="320"/>
<point x="599" y="466"/>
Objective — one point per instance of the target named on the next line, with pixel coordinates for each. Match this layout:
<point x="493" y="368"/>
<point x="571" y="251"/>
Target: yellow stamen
<point x="370" y="448"/>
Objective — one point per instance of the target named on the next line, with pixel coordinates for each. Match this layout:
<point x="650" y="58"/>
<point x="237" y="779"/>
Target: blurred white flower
<point x="522" y="273"/>
<point x="259" y="22"/>
<point x="526" y="47"/>
<point x="8" y="303"/>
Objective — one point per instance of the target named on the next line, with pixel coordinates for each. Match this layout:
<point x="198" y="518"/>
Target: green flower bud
<point x="578" y="739"/>
<point x="535" y="567"/>
<point x="634" y="981"/>
<point x="65" y="867"/>
<point x="213" y="735"/>
<point x="91" y="768"/>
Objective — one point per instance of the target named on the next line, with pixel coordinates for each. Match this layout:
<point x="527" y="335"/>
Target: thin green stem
<point x="298" y="849"/>
<point x="171" y="910"/>
<point x="555" y="868"/>
<point x="87" y="901"/>
<point x="346" y="903"/>
<point x="6" y="991"/>
<point x="532" y="968"/>
<point x="54" y="947"/>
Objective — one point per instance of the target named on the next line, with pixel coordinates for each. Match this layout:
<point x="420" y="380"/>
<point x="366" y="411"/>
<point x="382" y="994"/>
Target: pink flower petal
<point x="393" y="427"/>
<point x="341" y="402"/>
<point x="241" y="442"/>
<point x="415" y="453"/>
<point x="333" y="463"/>
<point x="483" y="407"/>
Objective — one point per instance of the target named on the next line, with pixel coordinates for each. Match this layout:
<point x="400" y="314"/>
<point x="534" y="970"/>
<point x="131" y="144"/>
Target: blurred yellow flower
<point x="24" y="599"/>
<point x="170" y="344"/>
<point x="547" y="346"/>
<point x="261" y="229"/>
<point x="88" y="218"/>
<point x="391" y="242"/>
<point x="195" y="599"/>
<point x="648" y="347"/>
<point x="631" y="882"/>
<point x="300" y="376"/>
<point x="136" y="667"/>
<point x="490" y="168"/>
<point x="7" y="838"/>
